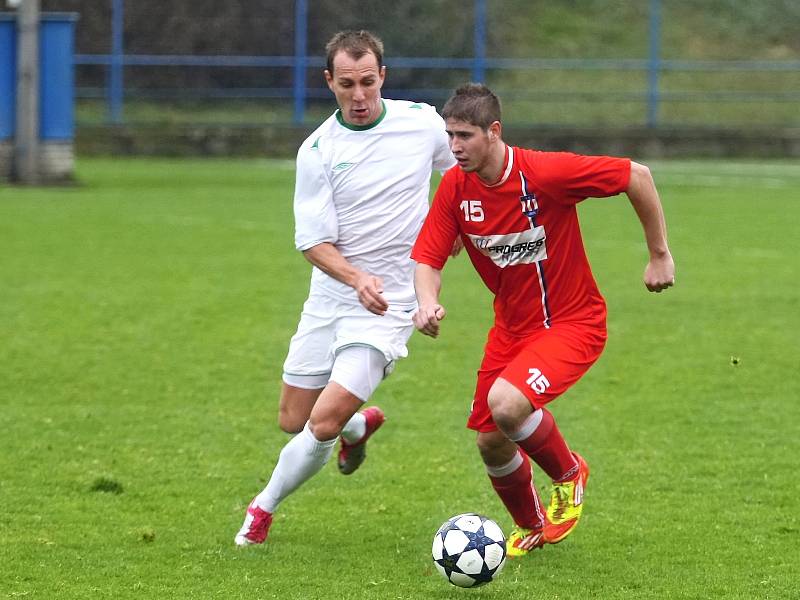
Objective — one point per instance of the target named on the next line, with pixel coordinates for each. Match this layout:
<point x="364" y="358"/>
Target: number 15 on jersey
<point x="473" y="211"/>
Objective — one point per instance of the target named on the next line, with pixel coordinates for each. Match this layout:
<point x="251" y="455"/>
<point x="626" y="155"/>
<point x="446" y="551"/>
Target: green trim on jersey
<point x="347" y="125"/>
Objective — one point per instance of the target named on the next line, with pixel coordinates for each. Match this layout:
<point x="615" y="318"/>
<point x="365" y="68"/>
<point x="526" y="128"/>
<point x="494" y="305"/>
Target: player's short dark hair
<point x="473" y="103"/>
<point x="356" y="44"/>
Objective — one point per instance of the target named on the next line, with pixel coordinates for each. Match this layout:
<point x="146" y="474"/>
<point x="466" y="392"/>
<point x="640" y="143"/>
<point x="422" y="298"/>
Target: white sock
<point x="529" y="425"/>
<point x="355" y="428"/>
<point x="298" y="462"/>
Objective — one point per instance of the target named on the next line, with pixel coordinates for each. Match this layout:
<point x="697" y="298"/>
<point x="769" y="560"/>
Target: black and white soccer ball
<point x="469" y="550"/>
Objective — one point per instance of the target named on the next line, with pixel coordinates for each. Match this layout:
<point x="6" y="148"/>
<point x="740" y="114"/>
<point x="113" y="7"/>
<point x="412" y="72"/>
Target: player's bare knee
<point x="502" y="409"/>
<point x="326" y="429"/>
<point x="292" y="416"/>
<point x="290" y="423"/>
<point x="508" y="405"/>
<point x="299" y="393"/>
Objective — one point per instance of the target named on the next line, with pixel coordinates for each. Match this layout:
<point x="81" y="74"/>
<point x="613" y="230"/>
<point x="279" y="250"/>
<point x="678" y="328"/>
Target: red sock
<point x="517" y="493"/>
<point x="548" y="449"/>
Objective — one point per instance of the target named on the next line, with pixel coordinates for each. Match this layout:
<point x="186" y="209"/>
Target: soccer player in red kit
<point x="514" y="209"/>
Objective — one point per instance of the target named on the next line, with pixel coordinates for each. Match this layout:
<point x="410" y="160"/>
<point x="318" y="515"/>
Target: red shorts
<point x="542" y="366"/>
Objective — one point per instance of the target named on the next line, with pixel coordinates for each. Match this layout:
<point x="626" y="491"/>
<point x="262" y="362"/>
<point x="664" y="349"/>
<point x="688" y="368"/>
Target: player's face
<point x="470" y="144"/>
<point x="357" y="83"/>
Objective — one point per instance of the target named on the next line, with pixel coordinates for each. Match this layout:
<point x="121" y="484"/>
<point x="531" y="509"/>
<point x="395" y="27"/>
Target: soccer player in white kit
<point x="361" y="195"/>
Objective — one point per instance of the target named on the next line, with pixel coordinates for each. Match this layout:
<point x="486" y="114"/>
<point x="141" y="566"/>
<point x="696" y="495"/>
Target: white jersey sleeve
<point x="315" y="216"/>
<point x="442" y="156"/>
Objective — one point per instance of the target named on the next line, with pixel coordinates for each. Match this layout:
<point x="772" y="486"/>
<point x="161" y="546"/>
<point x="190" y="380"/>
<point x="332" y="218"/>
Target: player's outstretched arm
<point x="659" y="274"/>
<point x="369" y="288"/>
<point x="428" y="283"/>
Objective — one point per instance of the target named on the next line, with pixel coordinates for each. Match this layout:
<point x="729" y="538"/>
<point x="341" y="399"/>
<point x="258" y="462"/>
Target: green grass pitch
<point x="144" y="317"/>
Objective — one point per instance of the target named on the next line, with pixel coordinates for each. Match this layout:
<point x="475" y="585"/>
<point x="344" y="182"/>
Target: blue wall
<point x="56" y="76"/>
<point x="8" y="73"/>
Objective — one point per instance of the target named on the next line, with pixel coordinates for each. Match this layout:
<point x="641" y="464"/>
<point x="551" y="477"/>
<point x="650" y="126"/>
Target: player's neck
<point x="495" y="164"/>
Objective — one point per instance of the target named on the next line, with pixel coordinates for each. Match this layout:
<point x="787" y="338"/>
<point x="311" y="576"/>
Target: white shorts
<point x="328" y="325"/>
<point x="358" y="369"/>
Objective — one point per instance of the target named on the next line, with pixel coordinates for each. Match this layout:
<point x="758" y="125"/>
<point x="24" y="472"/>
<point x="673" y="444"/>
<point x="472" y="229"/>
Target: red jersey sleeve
<point x="575" y="177"/>
<point x="439" y="231"/>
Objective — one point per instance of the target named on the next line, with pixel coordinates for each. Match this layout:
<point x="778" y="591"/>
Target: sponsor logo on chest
<point x="509" y="249"/>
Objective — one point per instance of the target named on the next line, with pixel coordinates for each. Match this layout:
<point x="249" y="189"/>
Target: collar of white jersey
<point x="507" y="172"/>
<point x="352" y="127"/>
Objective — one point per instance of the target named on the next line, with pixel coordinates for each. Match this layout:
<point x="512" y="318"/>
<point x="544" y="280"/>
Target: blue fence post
<point x="57" y="73"/>
<point x="479" y="59"/>
<point x="300" y="43"/>
<point x="115" y="82"/>
<point x="8" y="78"/>
<point x="654" y="63"/>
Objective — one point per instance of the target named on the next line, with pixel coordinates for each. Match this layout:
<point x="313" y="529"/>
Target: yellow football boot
<point x="566" y="504"/>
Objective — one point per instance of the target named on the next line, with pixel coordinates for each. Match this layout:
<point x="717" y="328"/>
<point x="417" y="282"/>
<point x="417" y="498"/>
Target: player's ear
<point x="329" y="79"/>
<point x="495" y="131"/>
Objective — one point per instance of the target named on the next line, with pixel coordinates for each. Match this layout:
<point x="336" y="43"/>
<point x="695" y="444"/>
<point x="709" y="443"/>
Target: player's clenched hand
<point x="427" y="318"/>
<point x="458" y="246"/>
<point x="659" y="273"/>
<point x="370" y="293"/>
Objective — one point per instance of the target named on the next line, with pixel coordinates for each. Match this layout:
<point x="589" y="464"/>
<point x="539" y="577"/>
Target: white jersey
<point x="365" y="190"/>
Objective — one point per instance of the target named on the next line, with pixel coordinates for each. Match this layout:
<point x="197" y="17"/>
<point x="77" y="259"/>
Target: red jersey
<point x="522" y="234"/>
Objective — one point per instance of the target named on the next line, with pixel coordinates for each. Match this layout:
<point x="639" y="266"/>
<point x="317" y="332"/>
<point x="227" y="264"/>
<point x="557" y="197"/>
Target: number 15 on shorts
<point x="537" y="381"/>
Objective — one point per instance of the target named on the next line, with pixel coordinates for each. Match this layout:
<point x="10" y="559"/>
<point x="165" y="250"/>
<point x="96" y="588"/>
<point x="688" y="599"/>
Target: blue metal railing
<point x="653" y="67"/>
<point x="116" y="93"/>
<point x="300" y="47"/>
<point x="479" y="40"/>
<point x="654" y="63"/>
